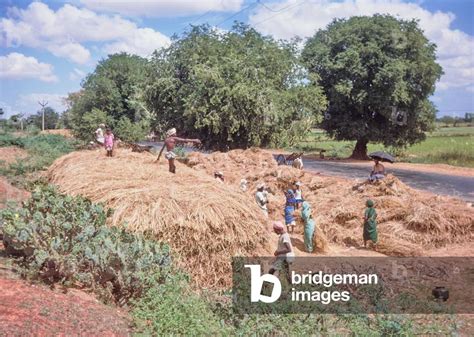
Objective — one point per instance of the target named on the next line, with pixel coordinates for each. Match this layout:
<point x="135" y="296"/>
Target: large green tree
<point x="377" y="73"/>
<point x="232" y="89"/>
<point x="113" y="89"/>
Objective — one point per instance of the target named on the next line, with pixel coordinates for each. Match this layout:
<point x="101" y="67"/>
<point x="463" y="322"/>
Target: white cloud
<point x="142" y="41"/>
<point x="77" y="74"/>
<point x="161" y="8"/>
<point x="29" y="103"/>
<point x="296" y="18"/>
<point x="63" y="32"/>
<point x="19" y="66"/>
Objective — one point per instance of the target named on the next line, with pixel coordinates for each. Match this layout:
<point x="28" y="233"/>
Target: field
<point x="200" y="222"/>
<point x="445" y="145"/>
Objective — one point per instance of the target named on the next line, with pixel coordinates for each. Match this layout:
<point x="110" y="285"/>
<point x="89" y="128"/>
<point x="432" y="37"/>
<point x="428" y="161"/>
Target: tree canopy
<point x="232" y="89"/>
<point x="113" y="88"/>
<point x="377" y="73"/>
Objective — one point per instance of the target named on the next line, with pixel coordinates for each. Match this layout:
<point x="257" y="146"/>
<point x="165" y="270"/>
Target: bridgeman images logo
<point x="256" y="285"/>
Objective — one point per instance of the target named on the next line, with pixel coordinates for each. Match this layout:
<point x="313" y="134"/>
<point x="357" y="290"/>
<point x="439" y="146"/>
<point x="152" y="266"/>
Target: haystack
<point x="205" y="222"/>
<point x="409" y="221"/>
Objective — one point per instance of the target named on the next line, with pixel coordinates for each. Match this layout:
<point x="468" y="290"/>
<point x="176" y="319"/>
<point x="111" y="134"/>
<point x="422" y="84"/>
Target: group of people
<point x="284" y="254"/>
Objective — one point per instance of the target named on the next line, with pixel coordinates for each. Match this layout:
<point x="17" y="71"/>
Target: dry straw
<point x="409" y="221"/>
<point x="205" y="222"/>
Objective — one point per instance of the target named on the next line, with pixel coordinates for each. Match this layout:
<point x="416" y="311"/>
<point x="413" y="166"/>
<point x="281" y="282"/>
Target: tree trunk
<point x="360" y="150"/>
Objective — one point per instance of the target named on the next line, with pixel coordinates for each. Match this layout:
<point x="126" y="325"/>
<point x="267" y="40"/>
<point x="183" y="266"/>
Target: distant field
<point x="446" y="145"/>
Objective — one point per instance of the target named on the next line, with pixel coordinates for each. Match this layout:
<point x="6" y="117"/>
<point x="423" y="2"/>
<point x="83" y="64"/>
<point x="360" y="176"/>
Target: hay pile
<point x="409" y="221"/>
<point x="206" y="223"/>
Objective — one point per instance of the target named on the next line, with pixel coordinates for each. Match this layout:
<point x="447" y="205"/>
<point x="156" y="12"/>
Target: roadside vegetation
<point x="42" y="150"/>
<point x="445" y="145"/>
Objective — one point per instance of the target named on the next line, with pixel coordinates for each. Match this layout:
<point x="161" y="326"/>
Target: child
<point x="370" y="224"/>
<point x="284" y="253"/>
<point x="298" y="194"/>
<point x="109" y="142"/>
<point x="289" y="215"/>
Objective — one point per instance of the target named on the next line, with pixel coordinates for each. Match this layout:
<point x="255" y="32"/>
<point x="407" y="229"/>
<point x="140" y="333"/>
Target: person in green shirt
<point x="370" y="224"/>
<point x="309" y="226"/>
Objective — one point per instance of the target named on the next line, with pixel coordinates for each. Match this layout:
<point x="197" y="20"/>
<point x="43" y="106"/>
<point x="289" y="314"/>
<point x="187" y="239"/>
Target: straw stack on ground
<point x="409" y="221"/>
<point x="205" y="222"/>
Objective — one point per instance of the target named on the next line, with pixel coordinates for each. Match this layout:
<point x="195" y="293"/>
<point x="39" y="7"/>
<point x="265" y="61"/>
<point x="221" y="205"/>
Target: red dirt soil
<point x="36" y="310"/>
<point x="10" y="154"/>
<point x="10" y="193"/>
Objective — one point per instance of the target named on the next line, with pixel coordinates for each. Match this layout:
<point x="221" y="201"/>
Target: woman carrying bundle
<point x="309" y="226"/>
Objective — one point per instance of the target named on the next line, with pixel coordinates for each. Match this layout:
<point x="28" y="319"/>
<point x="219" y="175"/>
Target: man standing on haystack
<point x="170" y="142"/>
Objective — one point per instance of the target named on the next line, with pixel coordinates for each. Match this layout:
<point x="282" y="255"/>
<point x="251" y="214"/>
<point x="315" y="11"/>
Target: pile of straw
<point x="205" y="222"/>
<point x="409" y="221"/>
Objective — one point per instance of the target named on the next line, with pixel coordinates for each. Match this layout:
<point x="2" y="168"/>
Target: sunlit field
<point x="446" y="145"/>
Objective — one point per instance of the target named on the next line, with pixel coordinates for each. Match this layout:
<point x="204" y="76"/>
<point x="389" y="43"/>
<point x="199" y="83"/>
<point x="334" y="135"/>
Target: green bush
<point x="131" y="132"/>
<point x="64" y="239"/>
<point x="170" y="308"/>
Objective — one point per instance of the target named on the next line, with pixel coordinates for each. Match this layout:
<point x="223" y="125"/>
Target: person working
<point x="284" y="252"/>
<point x="378" y="172"/>
<point x="309" y="226"/>
<point x="298" y="194"/>
<point x="109" y="141"/>
<point x="370" y="225"/>
<point x="170" y="142"/>
<point x="261" y="196"/>
<point x="99" y="134"/>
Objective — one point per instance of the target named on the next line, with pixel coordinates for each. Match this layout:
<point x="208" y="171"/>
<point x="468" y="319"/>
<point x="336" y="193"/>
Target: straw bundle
<point x="204" y="222"/>
<point x="408" y="220"/>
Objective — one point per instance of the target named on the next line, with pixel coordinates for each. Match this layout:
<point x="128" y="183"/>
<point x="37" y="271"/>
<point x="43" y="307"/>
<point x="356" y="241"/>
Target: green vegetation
<point x="452" y="146"/>
<point x="65" y="239"/>
<point x="377" y="73"/>
<point x="204" y="85"/>
<point x="42" y="151"/>
<point x="111" y="95"/>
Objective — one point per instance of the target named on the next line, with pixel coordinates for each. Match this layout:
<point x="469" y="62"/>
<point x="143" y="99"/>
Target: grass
<point x="446" y="145"/>
<point x="42" y="151"/>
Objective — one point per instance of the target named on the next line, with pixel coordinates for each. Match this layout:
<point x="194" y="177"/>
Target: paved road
<point x="458" y="186"/>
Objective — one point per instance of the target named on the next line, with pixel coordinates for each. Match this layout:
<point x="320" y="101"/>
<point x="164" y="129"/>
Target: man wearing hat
<point x="170" y="142"/>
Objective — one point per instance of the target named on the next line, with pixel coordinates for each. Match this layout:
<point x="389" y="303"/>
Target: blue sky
<point x="48" y="47"/>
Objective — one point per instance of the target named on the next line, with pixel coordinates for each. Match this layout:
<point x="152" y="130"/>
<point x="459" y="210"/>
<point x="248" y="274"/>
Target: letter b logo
<point x="256" y="284"/>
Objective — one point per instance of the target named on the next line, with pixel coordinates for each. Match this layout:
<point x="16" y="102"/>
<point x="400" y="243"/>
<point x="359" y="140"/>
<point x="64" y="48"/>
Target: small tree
<point x="377" y="73"/>
<point x="51" y="119"/>
<point x="447" y="120"/>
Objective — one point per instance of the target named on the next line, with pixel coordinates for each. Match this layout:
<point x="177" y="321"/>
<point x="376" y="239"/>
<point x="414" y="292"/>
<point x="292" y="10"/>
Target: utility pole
<point x="43" y="105"/>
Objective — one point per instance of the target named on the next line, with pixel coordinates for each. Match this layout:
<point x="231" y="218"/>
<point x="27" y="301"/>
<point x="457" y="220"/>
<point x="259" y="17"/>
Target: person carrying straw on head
<point x="170" y="143"/>
<point x="309" y="226"/>
<point x="370" y="224"/>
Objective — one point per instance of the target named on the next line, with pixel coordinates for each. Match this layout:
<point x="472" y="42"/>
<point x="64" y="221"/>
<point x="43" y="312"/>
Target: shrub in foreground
<point x="64" y="239"/>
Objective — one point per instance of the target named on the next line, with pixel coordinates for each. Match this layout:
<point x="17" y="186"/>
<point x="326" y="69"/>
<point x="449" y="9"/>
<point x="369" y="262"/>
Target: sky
<point x="48" y="47"/>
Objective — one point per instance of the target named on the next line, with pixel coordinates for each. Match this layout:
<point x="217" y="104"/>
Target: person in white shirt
<point x="262" y="198"/>
<point x="99" y="134"/>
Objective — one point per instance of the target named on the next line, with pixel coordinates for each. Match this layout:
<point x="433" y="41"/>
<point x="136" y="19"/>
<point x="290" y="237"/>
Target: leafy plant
<point x="64" y="239"/>
<point x="169" y="307"/>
